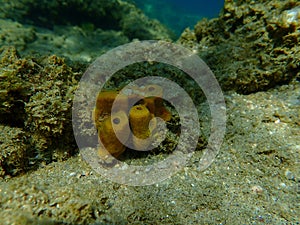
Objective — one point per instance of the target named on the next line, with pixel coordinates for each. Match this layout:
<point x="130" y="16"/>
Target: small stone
<point x="289" y="175"/>
<point x="283" y="185"/>
<point x="256" y="189"/>
<point x="72" y="174"/>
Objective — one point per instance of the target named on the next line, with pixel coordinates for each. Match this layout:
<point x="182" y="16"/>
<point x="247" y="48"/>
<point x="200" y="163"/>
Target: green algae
<point x="14" y="89"/>
<point x="13" y="151"/>
<point x="36" y="99"/>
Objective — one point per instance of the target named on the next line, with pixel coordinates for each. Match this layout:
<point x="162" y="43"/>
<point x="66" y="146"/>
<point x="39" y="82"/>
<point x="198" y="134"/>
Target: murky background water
<point x="179" y="14"/>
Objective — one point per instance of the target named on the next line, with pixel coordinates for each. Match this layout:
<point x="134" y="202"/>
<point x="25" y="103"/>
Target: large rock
<point x="252" y="46"/>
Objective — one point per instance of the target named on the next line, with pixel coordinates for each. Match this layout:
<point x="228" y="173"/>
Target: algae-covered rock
<point x="49" y="110"/>
<point x="14" y="86"/>
<point x="14" y="33"/>
<point x="107" y="15"/>
<point x="77" y="30"/>
<point x="80" y="44"/>
<point x="35" y="99"/>
<point x="14" y="148"/>
<point x="77" y="44"/>
<point x="252" y="46"/>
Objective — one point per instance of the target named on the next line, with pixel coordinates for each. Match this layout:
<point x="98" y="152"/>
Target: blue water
<point x="210" y="8"/>
<point x="179" y="14"/>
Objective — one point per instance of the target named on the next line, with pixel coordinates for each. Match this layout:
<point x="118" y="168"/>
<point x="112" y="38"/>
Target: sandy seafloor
<point x="255" y="178"/>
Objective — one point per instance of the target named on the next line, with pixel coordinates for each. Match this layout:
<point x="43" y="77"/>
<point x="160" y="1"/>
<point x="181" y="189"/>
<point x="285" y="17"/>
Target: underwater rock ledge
<point x="107" y="15"/>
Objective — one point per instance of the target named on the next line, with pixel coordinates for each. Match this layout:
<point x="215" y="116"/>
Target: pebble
<point x="257" y="189"/>
<point x="289" y="175"/>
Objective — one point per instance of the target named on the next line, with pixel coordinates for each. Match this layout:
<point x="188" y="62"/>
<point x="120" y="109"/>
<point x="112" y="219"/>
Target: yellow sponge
<point x="104" y="102"/>
<point x="139" y="117"/>
<point x="155" y="104"/>
<point x="108" y="135"/>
